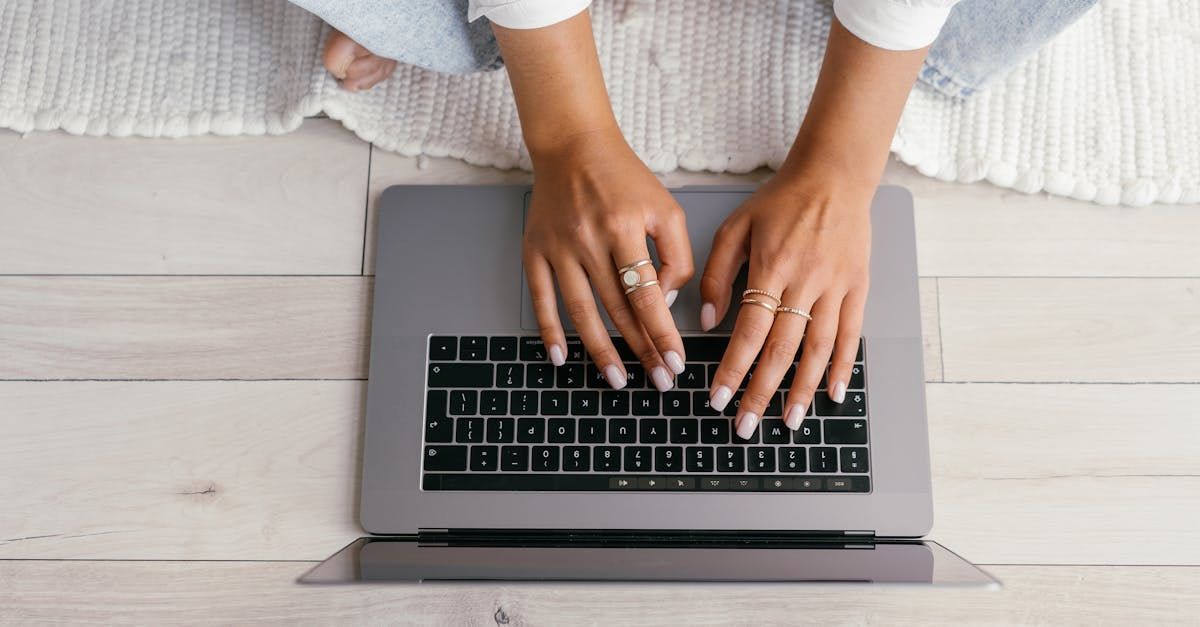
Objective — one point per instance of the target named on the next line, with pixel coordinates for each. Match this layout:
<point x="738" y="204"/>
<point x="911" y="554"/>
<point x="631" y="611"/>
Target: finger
<point x="814" y="356"/>
<point x="845" y="349"/>
<point x="753" y="324"/>
<point x="778" y="353"/>
<point x="724" y="261"/>
<point x="649" y="305"/>
<point x="674" y="253"/>
<point x="340" y="52"/>
<point x="545" y="307"/>
<point x="580" y="305"/>
<point x="621" y="311"/>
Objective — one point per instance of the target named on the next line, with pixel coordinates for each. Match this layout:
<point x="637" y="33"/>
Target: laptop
<point x="483" y="461"/>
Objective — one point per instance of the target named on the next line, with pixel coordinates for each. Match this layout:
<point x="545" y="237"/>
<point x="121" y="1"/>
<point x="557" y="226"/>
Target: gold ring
<point x="629" y="274"/>
<point x="637" y="286"/>
<point x="753" y="290"/>
<point x="754" y="301"/>
<point x="793" y="310"/>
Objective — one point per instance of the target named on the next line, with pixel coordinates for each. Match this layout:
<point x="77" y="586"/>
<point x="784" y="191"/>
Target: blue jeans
<point x="980" y="40"/>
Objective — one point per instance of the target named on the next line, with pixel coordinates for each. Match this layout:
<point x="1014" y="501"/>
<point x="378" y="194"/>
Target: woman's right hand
<point x="594" y="203"/>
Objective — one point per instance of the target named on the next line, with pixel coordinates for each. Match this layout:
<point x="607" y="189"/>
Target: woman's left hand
<point x="808" y="239"/>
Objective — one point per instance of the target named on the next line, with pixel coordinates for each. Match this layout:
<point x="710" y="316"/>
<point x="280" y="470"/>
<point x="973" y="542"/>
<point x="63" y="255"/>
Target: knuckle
<point x="577" y="308"/>
<point x="755" y="400"/>
<point x="780" y="349"/>
<point x="647" y="355"/>
<point x="732" y="372"/>
<point x="604" y="355"/>
<point x="821" y="343"/>
<point x="804" y="389"/>
<point x="541" y="301"/>
<point x="751" y="329"/>
<point x="842" y="364"/>
<point x="644" y="299"/>
<point x="549" y="332"/>
<point x="663" y="338"/>
<point x="617" y="224"/>
<point x="621" y="314"/>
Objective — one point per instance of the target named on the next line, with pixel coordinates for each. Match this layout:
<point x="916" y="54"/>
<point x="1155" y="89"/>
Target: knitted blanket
<point x="1108" y="112"/>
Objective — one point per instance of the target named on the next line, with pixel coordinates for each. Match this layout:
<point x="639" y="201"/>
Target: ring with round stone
<point x="631" y="277"/>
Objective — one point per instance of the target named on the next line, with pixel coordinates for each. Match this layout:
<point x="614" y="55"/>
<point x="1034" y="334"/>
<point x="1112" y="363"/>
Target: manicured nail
<point x="746" y="425"/>
<point x="556" y="355"/>
<point x="661" y="379"/>
<point x="795" y="415"/>
<point x="614" y="376"/>
<point x="720" y="398"/>
<point x="671" y="296"/>
<point x="708" y="316"/>
<point x="674" y="362"/>
<point x="838" y="394"/>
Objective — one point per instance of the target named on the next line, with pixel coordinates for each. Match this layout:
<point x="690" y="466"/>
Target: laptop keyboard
<point x="499" y="416"/>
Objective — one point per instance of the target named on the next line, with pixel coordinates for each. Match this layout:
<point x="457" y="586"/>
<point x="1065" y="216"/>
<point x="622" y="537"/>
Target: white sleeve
<point x="525" y="13"/>
<point x="894" y="24"/>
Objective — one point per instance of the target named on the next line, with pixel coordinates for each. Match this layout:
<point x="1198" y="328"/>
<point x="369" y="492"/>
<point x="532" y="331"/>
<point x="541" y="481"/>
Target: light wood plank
<point x="1093" y="330"/>
<point x="931" y="332"/>
<point x="243" y="592"/>
<point x="280" y="460"/>
<point x="77" y="327"/>
<point x="290" y="204"/>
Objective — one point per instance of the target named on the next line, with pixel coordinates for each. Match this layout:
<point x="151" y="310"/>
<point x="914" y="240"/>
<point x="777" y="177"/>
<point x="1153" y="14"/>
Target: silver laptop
<point x="481" y="460"/>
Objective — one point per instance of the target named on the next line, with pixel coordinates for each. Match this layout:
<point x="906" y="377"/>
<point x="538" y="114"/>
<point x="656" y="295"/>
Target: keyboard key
<point x="555" y="402"/>
<point x="652" y="431"/>
<point x="854" y="406"/>
<point x="704" y="347"/>
<point x="839" y="485"/>
<point x="791" y="459"/>
<point x="668" y="459"/>
<point x="606" y="458"/>
<point x="753" y="439"/>
<point x="854" y="459"/>
<point x="532" y="349"/>
<point x="545" y="458"/>
<point x="614" y="403"/>
<point x="651" y="483"/>
<point x="761" y="459"/>
<point x="700" y="406"/>
<point x="681" y="483"/>
<point x="576" y="458"/>
<point x="514" y="458"/>
<point x="485" y="457"/>
<point x="595" y="378"/>
<point x="464" y="402"/>
<point x="685" y="431"/>
<point x="855" y="382"/>
<point x="734" y="403"/>
<point x="743" y="483"/>
<point x="439" y="429"/>
<point x="699" y="458"/>
<point x="676" y="403"/>
<point x="459" y="375"/>
<point x="712" y="375"/>
<point x="637" y="458"/>
<point x="472" y="348"/>
<point x="622" y="430"/>
<point x="822" y="459"/>
<point x="500" y="429"/>
<point x="714" y="431"/>
<point x="622" y="483"/>
<point x="808" y="433"/>
<point x="777" y="483"/>
<point x="445" y="457"/>
<point x="510" y="375"/>
<point x="443" y="348"/>
<point x="646" y="403"/>
<point x="585" y="403"/>
<point x="531" y="430"/>
<point x="575" y="350"/>
<point x="714" y="483"/>
<point x="592" y="430"/>
<point x="523" y="403"/>
<point x="468" y="430"/>
<point x="539" y="375"/>
<point x="493" y="402"/>
<point x="775" y="407"/>
<point x="731" y="458"/>
<point x="569" y="376"/>
<point x="561" y="430"/>
<point x="502" y="349"/>
<point x="859" y="357"/>
<point x="623" y="349"/>
<point x="775" y="432"/>
<point x="692" y="377"/>
<point x="786" y="382"/>
<point x="635" y="375"/>
<point x="845" y="431"/>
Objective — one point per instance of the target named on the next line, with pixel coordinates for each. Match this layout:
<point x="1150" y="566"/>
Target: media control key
<point x="445" y="458"/>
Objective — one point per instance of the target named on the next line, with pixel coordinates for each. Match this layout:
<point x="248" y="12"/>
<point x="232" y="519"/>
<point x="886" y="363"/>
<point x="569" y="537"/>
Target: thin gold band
<point x="754" y="301"/>
<point x="637" y="286"/>
<point x="793" y="310"/>
<point x="633" y="266"/>
<point x="754" y="290"/>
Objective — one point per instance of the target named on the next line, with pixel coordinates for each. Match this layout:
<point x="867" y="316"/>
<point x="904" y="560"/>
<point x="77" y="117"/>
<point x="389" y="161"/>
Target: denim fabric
<point x="982" y="38"/>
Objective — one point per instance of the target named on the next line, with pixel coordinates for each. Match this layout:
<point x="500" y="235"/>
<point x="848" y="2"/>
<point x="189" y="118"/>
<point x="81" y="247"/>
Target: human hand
<point x="808" y="240"/>
<point x="593" y="205"/>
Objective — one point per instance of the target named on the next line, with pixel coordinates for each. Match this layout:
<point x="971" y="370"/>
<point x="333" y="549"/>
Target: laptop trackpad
<point x="705" y="210"/>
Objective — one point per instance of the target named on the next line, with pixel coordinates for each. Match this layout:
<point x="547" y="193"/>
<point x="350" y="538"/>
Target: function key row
<point x="600" y="482"/>
<point x="700" y="348"/>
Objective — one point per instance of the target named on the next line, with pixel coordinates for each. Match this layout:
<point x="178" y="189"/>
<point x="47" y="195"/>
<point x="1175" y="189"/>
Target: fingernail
<point x="674" y="362"/>
<point x="614" y="376"/>
<point x="746" y="425"/>
<point x="720" y="398"/>
<point x="556" y="355"/>
<point x="708" y="316"/>
<point x="671" y="295"/>
<point x="839" y="392"/>
<point x="794" y="416"/>
<point x="661" y="379"/>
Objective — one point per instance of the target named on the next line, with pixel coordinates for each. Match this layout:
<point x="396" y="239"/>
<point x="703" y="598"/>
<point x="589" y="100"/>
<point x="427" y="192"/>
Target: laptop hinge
<point x="640" y="537"/>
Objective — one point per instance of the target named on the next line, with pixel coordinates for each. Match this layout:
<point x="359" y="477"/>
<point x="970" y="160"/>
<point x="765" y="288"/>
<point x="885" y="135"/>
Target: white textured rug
<point x="1109" y="112"/>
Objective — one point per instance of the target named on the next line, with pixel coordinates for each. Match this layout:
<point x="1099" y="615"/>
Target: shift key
<point x="460" y="375"/>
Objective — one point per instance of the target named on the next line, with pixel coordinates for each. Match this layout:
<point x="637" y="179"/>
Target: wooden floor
<point x="184" y="332"/>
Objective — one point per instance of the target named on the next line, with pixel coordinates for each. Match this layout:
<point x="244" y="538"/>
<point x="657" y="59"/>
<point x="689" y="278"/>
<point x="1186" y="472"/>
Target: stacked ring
<point x="754" y="290"/>
<point x="637" y="286"/>
<point x="793" y="310"/>
<point x="765" y="305"/>
<point x="632" y="279"/>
